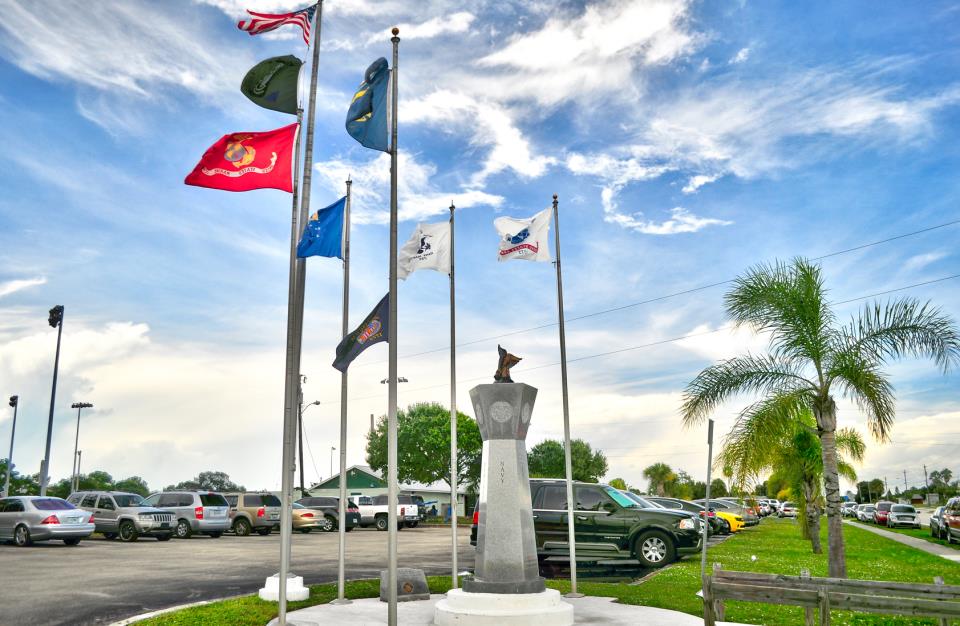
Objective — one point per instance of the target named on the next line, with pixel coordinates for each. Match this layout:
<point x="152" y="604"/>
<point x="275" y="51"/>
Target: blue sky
<point x="687" y="141"/>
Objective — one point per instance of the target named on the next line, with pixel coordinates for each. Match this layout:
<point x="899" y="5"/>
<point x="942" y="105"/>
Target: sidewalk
<point x="950" y="554"/>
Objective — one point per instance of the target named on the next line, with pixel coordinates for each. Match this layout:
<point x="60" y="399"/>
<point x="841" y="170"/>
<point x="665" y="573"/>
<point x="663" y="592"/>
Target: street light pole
<point x="56" y="321"/>
<point x="75" y="478"/>
<point x="14" y="402"/>
<point x="332" y="450"/>
<point x="303" y="379"/>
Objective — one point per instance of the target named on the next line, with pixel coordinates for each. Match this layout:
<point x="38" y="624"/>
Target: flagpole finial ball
<point x="395" y="31"/>
<point x="554" y="196"/>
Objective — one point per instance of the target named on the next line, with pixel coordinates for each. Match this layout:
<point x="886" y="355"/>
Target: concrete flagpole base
<point x="463" y="608"/>
<point x="295" y="589"/>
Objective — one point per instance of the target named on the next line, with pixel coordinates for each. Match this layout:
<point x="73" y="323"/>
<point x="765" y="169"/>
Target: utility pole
<point x="905" y="487"/>
<point x="56" y="321"/>
<point x="886" y="489"/>
<point x="926" y="480"/>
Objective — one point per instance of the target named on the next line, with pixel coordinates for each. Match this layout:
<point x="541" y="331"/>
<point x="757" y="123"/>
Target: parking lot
<point x="100" y="581"/>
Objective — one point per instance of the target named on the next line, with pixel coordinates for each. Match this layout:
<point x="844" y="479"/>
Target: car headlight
<point x="688" y="524"/>
<point x="145" y="517"/>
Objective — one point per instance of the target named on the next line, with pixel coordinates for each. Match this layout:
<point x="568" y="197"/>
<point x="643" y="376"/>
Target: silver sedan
<point x="26" y="519"/>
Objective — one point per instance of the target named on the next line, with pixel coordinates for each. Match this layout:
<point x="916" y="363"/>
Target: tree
<point x="209" y="481"/>
<point x="660" y="476"/>
<point x="547" y="460"/>
<point x="619" y="483"/>
<point x="718" y="489"/>
<point x="423" y="446"/>
<point x="134" y="484"/>
<point x="20" y="485"/>
<point x="812" y="357"/>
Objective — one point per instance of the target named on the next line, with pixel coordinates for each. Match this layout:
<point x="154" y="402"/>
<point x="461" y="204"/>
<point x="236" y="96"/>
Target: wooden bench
<point x="822" y="595"/>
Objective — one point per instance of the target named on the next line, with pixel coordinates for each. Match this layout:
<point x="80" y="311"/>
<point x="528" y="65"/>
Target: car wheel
<point x="932" y="533"/>
<point x="382" y="522"/>
<point x="949" y="535"/>
<point x="327" y="524"/>
<point x="21" y="536"/>
<point x="128" y="532"/>
<point x="412" y="524"/>
<point x="73" y="541"/>
<point x="724" y="527"/>
<point x="183" y="529"/>
<point x="654" y="549"/>
<point x="263" y="532"/>
<point x="165" y="537"/>
<point x="241" y="527"/>
<point x="215" y="535"/>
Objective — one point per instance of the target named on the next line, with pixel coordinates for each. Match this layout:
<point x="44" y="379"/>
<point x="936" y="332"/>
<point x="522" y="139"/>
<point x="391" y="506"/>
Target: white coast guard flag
<point x="427" y="249"/>
<point x="524" y="239"/>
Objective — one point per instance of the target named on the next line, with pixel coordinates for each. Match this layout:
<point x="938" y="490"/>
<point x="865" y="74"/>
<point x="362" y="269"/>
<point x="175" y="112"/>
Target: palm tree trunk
<point x="811" y="510"/>
<point x="827" y="424"/>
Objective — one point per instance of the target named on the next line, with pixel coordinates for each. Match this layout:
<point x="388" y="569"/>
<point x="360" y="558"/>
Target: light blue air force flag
<point x="367" y="117"/>
<point x="323" y="235"/>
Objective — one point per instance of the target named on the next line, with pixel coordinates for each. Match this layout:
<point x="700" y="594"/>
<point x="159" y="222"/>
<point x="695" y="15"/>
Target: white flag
<point x="525" y="239"/>
<point x="427" y="249"/>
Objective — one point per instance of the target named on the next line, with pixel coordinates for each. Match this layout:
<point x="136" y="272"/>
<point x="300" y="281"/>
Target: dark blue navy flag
<point x="367" y="115"/>
<point x="374" y="329"/>
<point x="323" y="235"/>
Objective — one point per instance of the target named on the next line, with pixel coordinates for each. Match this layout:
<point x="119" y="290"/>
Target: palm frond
<point x="862" y="381"/>
<point x="904" y="327"/>
<point x="846" y="470"/>
<point x="746" y="374"/>
<point x="850" y="444"/>
<point x="787" y="300"/>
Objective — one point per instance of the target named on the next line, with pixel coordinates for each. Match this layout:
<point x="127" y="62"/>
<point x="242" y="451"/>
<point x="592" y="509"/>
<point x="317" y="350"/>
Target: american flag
<point x="263" y="22"/>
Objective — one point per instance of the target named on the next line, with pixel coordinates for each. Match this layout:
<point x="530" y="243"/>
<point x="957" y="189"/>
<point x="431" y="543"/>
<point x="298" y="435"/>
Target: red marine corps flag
<point x="245" y="161"/>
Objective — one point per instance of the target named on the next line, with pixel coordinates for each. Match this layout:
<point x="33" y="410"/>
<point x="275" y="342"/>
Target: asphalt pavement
<point x="100" y="581"/>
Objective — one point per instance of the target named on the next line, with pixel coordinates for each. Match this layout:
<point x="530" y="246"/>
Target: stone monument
<point x="507" y="588"/>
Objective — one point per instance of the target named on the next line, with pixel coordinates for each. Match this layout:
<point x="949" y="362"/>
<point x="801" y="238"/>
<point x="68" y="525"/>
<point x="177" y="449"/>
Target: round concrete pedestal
<point x="462" y="608"/>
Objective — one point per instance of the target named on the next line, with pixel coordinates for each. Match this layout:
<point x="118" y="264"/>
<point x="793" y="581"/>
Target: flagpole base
<point x="341" y="601"/>
<point x="295" y="589"/>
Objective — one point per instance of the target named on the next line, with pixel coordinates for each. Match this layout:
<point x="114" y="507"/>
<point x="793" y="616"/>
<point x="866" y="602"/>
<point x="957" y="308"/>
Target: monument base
<point x="295" y="589"/>
<point x="462" y="608"/>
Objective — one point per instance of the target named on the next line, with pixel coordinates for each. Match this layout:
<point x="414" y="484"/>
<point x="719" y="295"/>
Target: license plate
<point x="274" y="516"/>
<point x="74" y="520"/>
<point x="164" y="525"/>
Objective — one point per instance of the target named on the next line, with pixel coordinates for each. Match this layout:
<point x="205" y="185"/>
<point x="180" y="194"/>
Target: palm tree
<point x="765" y="439"/>
<point x="659" y="475"/>
<point x="812" y="356"/>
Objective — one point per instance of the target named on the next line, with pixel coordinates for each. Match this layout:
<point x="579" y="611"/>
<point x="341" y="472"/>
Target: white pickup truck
<point x="374" y="512"/>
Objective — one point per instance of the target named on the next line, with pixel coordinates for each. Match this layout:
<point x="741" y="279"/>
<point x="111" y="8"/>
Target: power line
<point x="882" y="293"/>
<point x="621" y="350"/>
<point x="667" y="296"/>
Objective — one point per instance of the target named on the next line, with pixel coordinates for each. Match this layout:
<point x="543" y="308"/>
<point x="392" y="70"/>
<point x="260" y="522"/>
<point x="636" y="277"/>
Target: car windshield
<point x="51" y="504"/>
<point x="129" y="500"/>
<point x="641" y="502"/>
<point x="297" y="505"/>
<point x="870" y="509"/>
<point x="789" y="504"/>
<point x="621" y="499"/>
<point x="269" y="499"/>
<point x="902" y="508"/>
<point x="214" y="499"/>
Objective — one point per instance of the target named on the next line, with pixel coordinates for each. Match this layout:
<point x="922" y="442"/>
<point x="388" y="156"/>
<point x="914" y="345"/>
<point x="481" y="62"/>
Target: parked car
<point x="938" y="528"/>
<point x="748" y="518"/>
<point x="865" y="512"/>
<point x="787" y="509"/>
<point x="26" y="519"/>
<point x="253" y="511"/>
<point x="375" y="512"/>
<point x="124" y="515"/>
<point x="304" y="519"/>
<point x="609" y="525"/>
<point x="194" y="511"/>
<point x="329" y="510"/>
<point x="951" y="519"/>
<point x="421" y="506"/>
<point x="880" y="512"/>
<point x="718" y="524"/>
<point x="903" y="515"/>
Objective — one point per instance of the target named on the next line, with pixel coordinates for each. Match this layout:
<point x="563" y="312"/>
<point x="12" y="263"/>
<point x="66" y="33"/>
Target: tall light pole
<point x="75" y="476"/>
<point x="56" y="321"/>
<point x="332" y="450"/>
<point x="14" y="402"/>
<point x="303" y="409"/>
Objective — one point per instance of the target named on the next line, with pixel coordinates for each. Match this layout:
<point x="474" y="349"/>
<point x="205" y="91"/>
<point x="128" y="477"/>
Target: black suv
<point x="608" y="525"/>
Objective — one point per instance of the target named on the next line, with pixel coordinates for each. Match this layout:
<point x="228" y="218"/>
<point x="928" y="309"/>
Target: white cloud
<point x="698" y="181"/>
<point x="919" y="261"/>
<point x="742" y="55"/>
<point x="418" y="196"/>
<point x="13" y="286"/>
<point x="578" y="57"/>
<point x="490" y="124"/>
<point x="434" y="27"/>
<point x="680" y="221"/>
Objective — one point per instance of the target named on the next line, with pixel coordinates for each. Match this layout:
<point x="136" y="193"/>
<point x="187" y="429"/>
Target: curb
<point x="172" y="609"/>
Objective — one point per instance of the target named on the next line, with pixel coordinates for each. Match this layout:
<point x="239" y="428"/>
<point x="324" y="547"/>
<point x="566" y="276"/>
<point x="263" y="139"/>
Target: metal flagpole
<point x="295" y="322"/>
<point x="706" y="504"/>
<point x="392" y="501"/>
<point x="571" y="538"/>
<point x="303" y="379"/>
<point x="56" y="315"/>
<point x="345" y="328"/>
<point x="453" y="405"/>
<point x="15" y="403"/>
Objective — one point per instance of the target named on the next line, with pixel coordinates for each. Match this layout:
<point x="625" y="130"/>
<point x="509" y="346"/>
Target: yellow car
<point x="734" y="521"/>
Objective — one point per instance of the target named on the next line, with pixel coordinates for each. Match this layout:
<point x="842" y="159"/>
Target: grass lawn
<point x="776" y="544"/>
<point x="923" y="533"/>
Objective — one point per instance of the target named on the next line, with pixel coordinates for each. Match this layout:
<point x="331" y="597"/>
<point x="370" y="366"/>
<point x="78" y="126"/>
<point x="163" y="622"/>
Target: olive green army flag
<point x="272" y="83"/>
